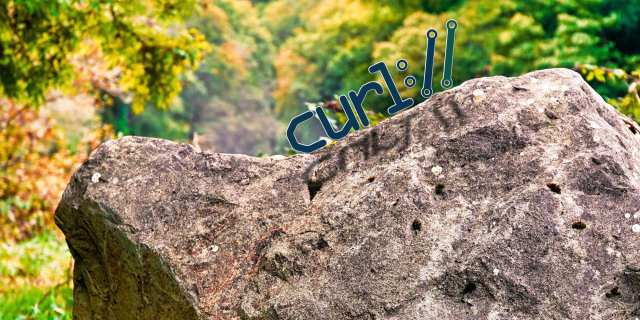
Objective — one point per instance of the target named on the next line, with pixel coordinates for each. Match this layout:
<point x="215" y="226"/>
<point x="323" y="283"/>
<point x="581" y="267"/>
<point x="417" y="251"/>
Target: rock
<point x="515" y="203"/>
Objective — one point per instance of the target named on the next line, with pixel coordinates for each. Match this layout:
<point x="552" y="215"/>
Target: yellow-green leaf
<point x="590" y="76"/>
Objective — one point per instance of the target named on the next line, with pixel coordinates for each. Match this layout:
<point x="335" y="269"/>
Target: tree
<point x="146" y="41"/>
<point x="329" y="51"/>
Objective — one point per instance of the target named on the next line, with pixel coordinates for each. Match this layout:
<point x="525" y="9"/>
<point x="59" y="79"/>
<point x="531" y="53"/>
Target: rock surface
<point x="502" y="198"/>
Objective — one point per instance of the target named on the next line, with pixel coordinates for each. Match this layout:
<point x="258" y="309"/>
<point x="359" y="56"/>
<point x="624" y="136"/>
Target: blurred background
<point x="228" y="76"/>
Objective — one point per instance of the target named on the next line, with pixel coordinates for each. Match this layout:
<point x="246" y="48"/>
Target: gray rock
<point x="503" y="198"/>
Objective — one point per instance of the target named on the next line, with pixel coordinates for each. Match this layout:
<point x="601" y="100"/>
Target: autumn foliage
<point x="35" y="166"/>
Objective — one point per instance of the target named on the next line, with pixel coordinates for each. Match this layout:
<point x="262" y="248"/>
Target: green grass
<point x="35" y="278"/>
<point x="37" y="303"/>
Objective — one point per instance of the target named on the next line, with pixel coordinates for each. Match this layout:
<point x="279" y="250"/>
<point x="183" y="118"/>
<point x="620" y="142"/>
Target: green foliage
<point x="629" y="103"/>
<point x="231" y="89"/>
<point x="227" y="101"/>
<point x="317" y="49"/>
<point x="330" y="53"/>
<point x="36" y="277"/>
<point x="171" y="124"/>
<point x="40" y="41"/>
<point x="329" y="50"/>
<point x="35" y="303"/>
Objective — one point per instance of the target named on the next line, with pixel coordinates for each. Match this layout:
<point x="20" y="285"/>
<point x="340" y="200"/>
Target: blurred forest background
<point x="228" y="75"/>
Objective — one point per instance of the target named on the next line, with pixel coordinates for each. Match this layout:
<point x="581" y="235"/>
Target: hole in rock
<point x="322" y="244"/>
<point x="554" y="187"/>
<point x="314" y="187"/>
<point x="471" y="287"/>
<point x="614" y="292"/>
<point x="550" y="114"/>
<point x="416" y="225"/>
<point x="440" y="187"/>
<point x="579" y="225"/>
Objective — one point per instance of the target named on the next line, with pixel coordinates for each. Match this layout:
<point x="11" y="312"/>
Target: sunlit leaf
<point x="590" y="76"/>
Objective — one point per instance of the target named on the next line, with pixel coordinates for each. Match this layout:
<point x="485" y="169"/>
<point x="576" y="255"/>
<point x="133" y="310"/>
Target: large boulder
<point x="501" y="198"/>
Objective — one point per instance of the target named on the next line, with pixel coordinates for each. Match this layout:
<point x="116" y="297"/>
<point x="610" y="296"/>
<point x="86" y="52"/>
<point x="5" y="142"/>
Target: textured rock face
<point x="467" y="206"/>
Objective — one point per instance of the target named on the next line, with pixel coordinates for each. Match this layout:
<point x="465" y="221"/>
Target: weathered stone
<point x="501" y="198"/>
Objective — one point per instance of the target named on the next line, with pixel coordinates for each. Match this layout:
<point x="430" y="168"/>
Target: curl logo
<point x="399" y="104"/>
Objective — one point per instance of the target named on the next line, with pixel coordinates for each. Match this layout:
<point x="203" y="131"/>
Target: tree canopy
<point x="43" y="42"/>
<point x="328" y="53"/>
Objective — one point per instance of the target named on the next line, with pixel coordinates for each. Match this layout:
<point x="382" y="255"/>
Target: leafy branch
<point x="629" y="104"/>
